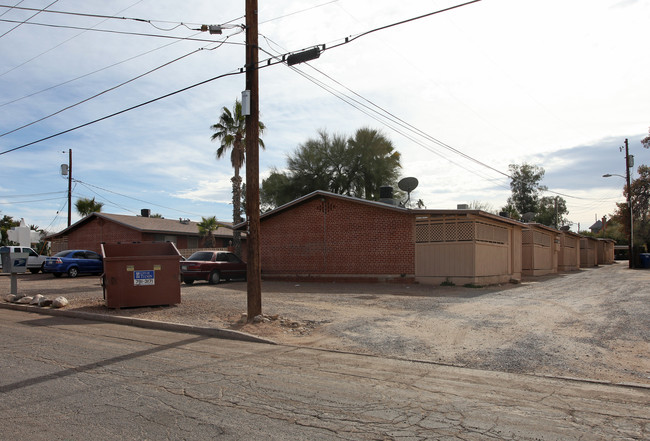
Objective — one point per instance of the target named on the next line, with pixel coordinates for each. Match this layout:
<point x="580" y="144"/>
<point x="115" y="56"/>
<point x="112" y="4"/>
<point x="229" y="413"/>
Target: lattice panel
<point x="542" y="239"/>
<point x="570" y="242"/>
<point x="491" y="233"/>
<point x="444" y="232"/>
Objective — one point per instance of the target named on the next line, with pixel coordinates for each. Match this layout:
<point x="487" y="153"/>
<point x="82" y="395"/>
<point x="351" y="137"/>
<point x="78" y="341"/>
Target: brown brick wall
<point x="338" y="237"/>
<point x="90" y="235"/>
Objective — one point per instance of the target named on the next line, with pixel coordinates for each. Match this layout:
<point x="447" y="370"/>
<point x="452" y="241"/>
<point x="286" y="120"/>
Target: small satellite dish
<point x="408" y="185"/>
<point x="527" y="217"/>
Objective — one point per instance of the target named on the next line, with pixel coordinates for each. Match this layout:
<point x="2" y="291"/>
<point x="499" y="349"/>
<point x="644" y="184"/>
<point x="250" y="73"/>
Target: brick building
<point x="91" y="231"/>
<point x="326" y="236"/>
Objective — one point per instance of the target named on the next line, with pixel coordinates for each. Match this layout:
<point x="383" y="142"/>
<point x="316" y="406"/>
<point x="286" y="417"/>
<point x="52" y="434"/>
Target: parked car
<point x="35" y="261"/>
<point x="212" y="266"/>
<point x="74" y="262"/>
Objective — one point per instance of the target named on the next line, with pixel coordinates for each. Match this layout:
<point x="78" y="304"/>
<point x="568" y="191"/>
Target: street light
<point x="629" y="206"/>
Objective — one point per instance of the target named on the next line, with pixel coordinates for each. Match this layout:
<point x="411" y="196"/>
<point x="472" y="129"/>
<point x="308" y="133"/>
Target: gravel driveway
<point x="593" y="323"/>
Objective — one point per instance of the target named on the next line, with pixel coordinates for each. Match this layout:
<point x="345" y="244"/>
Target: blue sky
<point x="554" y="83"/>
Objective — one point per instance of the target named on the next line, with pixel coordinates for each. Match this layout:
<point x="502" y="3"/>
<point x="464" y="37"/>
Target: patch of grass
<point x="472" y="285"/>
<point x="447" y="282"/>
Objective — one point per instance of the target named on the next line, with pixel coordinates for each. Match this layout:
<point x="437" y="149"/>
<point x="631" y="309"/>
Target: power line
<point x="298" y="12"/>
<point x="382" y="115"/>
<point x="60" y="44"/>
<point x="84" y="75"/>
<point x="100" y="93"/>
<point x="239" y="72"/>
<point x="108" y="17"/>
<point x="12" y="7"/>
<point x="109" y="31"/>
<point x="130" y="197"/>
<point x="262" y="64"/>
<point x="23" y="22"/>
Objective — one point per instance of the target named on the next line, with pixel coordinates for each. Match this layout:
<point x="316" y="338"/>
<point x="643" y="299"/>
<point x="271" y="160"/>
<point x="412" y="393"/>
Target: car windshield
<point x="201" y="255"/>
<point x="61" y="253"/>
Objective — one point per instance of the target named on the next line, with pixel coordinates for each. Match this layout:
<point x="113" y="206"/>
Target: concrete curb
<point x="141" y="323"/>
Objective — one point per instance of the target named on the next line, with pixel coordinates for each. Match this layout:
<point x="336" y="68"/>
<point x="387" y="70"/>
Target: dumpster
<point x="645" y="260"/>
<point x="141" y="274"/>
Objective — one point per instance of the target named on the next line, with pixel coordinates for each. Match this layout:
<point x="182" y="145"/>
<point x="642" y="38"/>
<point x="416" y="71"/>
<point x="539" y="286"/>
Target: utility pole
<point x="69" y="186"/>
<point x="630" y="247"/>
<point x="254" y="272"/>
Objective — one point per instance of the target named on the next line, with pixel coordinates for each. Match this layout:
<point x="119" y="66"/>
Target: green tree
<point x="509" y="211"/>
<point x="356" y="166"/>
<point x="376" y="162"/>
<point x="552" y="211"/>
<point x="87" y="206"/>
<point x="525" y="186"/>
<point x="230" y="131"/>
<point x="207" y="227"/>
<point x="640" y="196"/>
<point x="646" y="141"/>
<point x="6" y="224"/>
<point x="276" y="191"/>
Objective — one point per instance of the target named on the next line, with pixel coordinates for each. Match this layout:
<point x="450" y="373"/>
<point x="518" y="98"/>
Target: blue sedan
<point x="74" y="262"/>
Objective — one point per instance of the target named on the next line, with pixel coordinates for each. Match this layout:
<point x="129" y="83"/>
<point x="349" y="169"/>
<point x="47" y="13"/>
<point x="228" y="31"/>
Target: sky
<point x="461" y="94"/>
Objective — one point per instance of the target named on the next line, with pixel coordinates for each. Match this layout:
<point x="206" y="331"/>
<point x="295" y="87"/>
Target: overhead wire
<point x="298" y="12"/>
<point x="110" y="31"/>
<point x="388" y="119"/>
<point x="261" y="64"/>
<point x="25" y="21"/>
<point x="86" y="124"/>
<point x="87" y="74"/>
<point x="107" y="17"/>
<point x="60" y="44"/>
<point x="135" y="199"/>
<point x="11" y="7"/>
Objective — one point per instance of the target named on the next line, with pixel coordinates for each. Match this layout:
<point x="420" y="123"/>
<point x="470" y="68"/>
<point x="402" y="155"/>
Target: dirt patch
<point x="592" y="323"/>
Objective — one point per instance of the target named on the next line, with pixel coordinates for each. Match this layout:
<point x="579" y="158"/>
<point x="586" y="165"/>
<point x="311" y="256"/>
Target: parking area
<point x="592" y="323"/>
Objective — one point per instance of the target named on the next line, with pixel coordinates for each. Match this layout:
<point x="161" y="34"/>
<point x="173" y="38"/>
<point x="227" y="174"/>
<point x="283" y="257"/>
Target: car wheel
<point x="34" y="270"/>
<point x="215" y="277"/>
<point x="56" y="274"/>
<point x="188" y="281"/>
<point x="73" y="272"/>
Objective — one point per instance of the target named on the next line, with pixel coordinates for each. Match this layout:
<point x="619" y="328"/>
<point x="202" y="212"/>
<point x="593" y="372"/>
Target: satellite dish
<point x="408" y="185"/>
<point x="527" y="217"/>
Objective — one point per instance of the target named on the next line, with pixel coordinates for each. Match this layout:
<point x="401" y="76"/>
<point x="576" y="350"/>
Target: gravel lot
<point x="593" y="323"/>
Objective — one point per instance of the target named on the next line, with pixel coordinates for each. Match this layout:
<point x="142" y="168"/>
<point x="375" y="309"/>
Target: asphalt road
<point x="69" y="379"/>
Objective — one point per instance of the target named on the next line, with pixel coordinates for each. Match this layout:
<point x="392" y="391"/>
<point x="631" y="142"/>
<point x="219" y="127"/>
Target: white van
<point x="35" y="262"/>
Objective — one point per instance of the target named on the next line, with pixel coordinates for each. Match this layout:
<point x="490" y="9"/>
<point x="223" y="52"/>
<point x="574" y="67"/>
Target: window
<point x="93" y="255"/>
<point x="233" y="258"/>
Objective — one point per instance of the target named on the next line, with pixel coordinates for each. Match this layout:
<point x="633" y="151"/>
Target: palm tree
<point x="87" y="206"/>
<point x="231" y="132"/>
<point x="206" y="227"/>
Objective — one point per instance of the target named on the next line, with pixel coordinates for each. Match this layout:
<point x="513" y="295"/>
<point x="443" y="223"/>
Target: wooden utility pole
<point x="69" y="187"/>
<point x="630" y="247"/>
<point x="254" y="275"/>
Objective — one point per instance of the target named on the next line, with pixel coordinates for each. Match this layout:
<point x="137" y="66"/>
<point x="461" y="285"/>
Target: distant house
<point x="97" y="228"/>
<point x="329" y="237"/>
